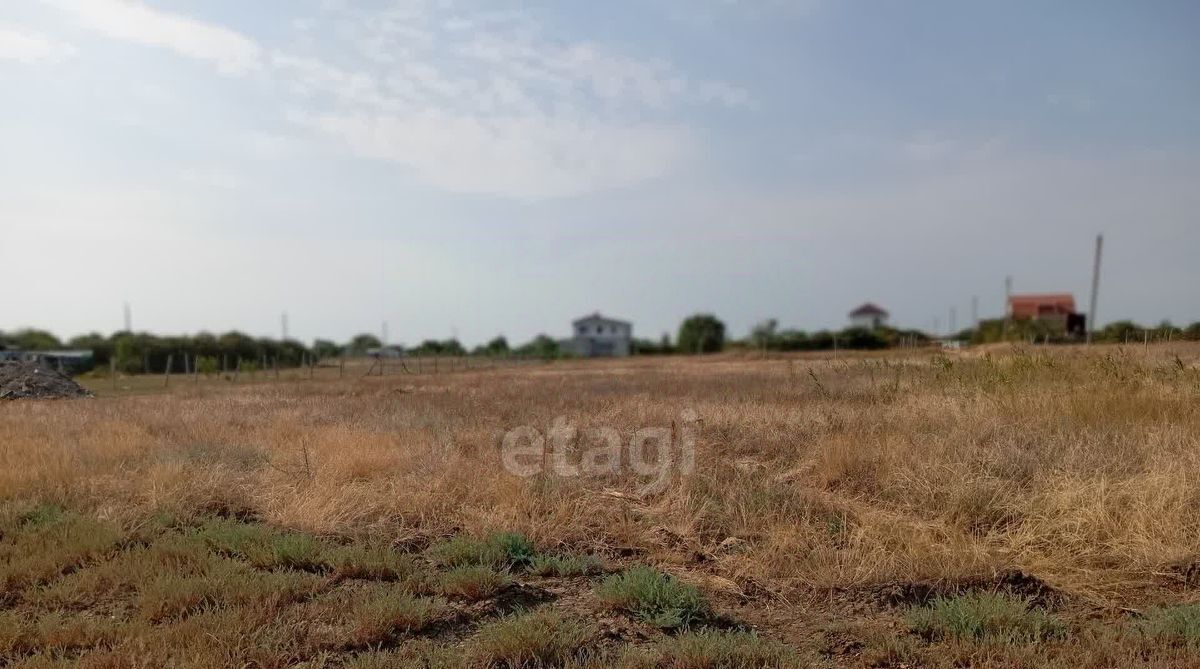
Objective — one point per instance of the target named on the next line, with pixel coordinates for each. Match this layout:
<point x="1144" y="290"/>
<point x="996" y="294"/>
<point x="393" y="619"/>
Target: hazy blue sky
<point x="476" y="168"/>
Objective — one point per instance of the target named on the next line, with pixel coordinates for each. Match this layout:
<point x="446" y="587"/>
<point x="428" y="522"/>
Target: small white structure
<point x="868" y="316"/>
<point x="596" y="336"/>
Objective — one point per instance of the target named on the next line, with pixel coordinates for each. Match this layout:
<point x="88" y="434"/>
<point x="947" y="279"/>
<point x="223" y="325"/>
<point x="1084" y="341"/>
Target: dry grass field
<point x="990" y="508"/>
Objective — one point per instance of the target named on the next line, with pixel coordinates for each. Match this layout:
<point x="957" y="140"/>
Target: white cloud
<point x="232" y="52"/>
<point x="477" y="102"/>
<point x="523" y="158"/>
<point x="727" y="94"/>
<point x="27" y="47"/>
<point x="482" y="102"/>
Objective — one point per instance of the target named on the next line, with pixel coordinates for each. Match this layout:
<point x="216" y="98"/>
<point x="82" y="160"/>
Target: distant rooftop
<point x="868" y="309"/>
<point x="1031" y="304"/>
<point x="596" y="316"/>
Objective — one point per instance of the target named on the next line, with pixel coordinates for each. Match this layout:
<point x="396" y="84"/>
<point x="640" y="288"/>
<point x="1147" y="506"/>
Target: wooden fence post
<point x="112" y="371"/>
<point x="167" y="371"/>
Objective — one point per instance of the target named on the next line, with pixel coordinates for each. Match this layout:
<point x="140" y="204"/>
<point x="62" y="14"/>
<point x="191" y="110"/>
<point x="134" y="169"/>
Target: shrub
<point x="653" y="597"/>
<point x="985" y="615"/>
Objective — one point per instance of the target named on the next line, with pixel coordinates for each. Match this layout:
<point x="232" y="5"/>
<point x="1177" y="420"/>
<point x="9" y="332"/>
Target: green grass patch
<point x="502" y="550"/>
<point x="391" y="612"/>
<point x="54" y="633"/>
<point x="565" y="566"/>
<point x="292" y="550"/>
<point x="1174" y="625"/>
<point x="414" y="654"/>
<point x="653" y="597"/>
<point x="715" y="650"/>
<point x="223" y="584"/>
<point x="48" y="542"/>
<point x="526" y="640"/>
<point x="985" y="616"/>
<point x="234" y="539"/>
<point x="472" y="583"/>
<point x="370" y="562"/>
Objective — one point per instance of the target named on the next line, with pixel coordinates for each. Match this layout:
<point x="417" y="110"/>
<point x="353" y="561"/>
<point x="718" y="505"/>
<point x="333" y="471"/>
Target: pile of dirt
<point x="30" y="380"/>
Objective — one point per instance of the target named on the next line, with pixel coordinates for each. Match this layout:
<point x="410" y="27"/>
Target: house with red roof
<point x="1057" y="309"/>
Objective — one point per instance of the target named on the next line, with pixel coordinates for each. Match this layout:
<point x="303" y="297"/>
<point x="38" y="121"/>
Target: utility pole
<point x="1091" y="317"/>
<point x="128" y="317"/>
<point x="953" y="319"/>
<point x="283" y="325"/>
<point x="385" y="334"/>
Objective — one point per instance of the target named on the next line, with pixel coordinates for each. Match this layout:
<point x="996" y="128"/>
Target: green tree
<point x="792" y="340"/>
<point x="444" y="347"/>
<point x="361" y="342"/>
<point x="542" y="346"/>
<point x="701" y="333"/>
<point x="861" y="338"/>
<point x="763" y="335"/>
<point x="1121" y="331"/>
<point x="497" y="346"/>
<point x="323" y="348"/>
<point x="34" y="340"/>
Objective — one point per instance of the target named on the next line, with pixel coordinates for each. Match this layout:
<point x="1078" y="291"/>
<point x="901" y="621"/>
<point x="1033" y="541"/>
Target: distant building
<point x="1056" y="309"/>
<point x="596" y="336"/>
<point x="868" y="316"/>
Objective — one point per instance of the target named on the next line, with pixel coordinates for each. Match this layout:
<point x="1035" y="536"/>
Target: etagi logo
<point x="654" y="454"/>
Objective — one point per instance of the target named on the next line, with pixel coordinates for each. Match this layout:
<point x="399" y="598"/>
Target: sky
<point x="469" y="169"/>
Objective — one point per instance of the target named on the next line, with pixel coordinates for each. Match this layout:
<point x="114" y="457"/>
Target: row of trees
<point x="142" y="352"/>
<point x="705" y="333"/>
<point x="1118" y="332"/>
<point x="701" y="333"/>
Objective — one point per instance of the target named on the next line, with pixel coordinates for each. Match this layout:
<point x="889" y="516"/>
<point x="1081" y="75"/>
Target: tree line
<point x="1117" y="332"/>
<point x="140" y="352"/>
<point x="143" y="352"/>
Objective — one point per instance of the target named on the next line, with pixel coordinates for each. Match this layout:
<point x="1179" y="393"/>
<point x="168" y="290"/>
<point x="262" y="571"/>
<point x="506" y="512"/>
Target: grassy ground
<point x="998" y="508"/>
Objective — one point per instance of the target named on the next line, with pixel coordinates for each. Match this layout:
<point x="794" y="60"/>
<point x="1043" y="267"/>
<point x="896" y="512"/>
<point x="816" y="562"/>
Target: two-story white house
<point x="596" y="336"/>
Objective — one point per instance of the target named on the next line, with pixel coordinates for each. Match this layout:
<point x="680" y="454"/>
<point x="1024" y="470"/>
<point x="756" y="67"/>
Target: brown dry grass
<point x="843" y="478"/>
